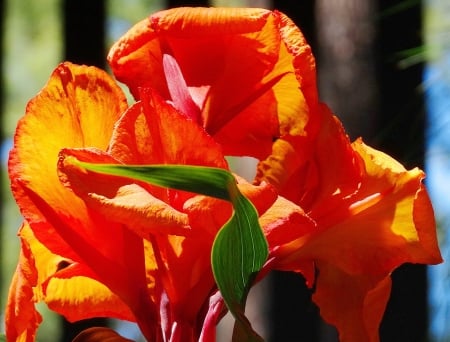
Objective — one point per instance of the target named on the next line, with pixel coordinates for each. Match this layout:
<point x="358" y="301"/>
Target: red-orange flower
<point x="139" y="252"/>
<point x="371" y="216"/>
<point x="65" y="243"/>
<point x="209" y="83"/>
<point x="246" y="75"/>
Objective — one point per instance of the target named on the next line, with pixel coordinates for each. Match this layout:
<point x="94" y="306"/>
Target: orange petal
<point x="360" y="240"/>
<point x="154" y="132"/>
<point x="113" y="197"/>
<point x="142" y="212"/>
<point x="21" y="317"/>
<point x="136" y="58"/>
<point x="290" y="170"/>
<point x="354" y="304"/>
<point x="150" y="132"/>
<point x="68" y="288"/>
<point x="83" y="103"/>
<point x="75" y="295"/>
<point x="262" y="196"/>
<point x="285" y="222"/>
<point x="108" y="260"/>
<point x="250" y="71"/>
<point x="365" y="204"/>
<point x="376" y="229"/>
<point x="413" y="214"/>
<point x="312" y="169"/>
<point x="186" y="275"/>
<point x="44" y="276"/>
<point x="206" y="214"/>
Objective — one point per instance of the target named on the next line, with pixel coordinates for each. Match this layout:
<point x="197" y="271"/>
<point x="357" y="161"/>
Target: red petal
<point x="255" y="64"/>
<point x="355" y="304"/>
<point x="21" y="317"/>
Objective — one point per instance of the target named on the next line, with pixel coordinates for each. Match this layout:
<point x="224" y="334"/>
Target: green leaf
<point x="240" y="248"/>
<point x="207" y="181"/>
<point x="2" y="338"/>
<point x="239" y="251"/>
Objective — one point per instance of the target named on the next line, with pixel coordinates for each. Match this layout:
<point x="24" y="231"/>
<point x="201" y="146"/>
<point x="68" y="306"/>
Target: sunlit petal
<point x="74" y="294"/>
<point x="78" y="107"/>
<point x="254" y="67"/>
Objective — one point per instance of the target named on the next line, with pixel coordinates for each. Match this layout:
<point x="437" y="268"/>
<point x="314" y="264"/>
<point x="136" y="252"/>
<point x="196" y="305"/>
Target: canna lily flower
<point x="61" y="249"/>
<point x="245" y="74"/>
<point x="96" y="245"/>
<point x="248" y="77"/>
<point x="208" y="83"/>
<point x="371" y="215"/>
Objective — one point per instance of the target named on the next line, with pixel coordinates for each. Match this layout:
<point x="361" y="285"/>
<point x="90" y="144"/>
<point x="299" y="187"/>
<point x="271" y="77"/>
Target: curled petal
<point x="355" y="304"/>
<point x="216" y="309"/>
<point x="413" y="216"/>
<point x="388" y="221"/>
<point x="142" y="212"/>
<point x="376" y="229"/>
<point x="290" y="170"/>
<point x="83" y="103"/>
<point x="364" y="203"/>
<point x="113" y="197"/>
<point x="241" y="68"/>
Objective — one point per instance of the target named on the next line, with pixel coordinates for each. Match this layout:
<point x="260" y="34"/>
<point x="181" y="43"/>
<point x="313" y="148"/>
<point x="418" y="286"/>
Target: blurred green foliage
<point x="32" y="48"/>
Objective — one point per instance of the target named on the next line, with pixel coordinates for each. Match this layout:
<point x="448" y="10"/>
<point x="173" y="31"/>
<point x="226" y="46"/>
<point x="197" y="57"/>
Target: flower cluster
<point x="208" y="83"/>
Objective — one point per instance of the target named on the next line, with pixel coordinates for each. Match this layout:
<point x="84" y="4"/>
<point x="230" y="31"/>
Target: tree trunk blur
<point x="346" y="60"/>
<point x="84" y="32"/>
<point x="84" y="43"/>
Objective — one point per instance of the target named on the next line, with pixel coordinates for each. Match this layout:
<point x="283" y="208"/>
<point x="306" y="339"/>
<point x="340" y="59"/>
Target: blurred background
<point x="384" y="69"/>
